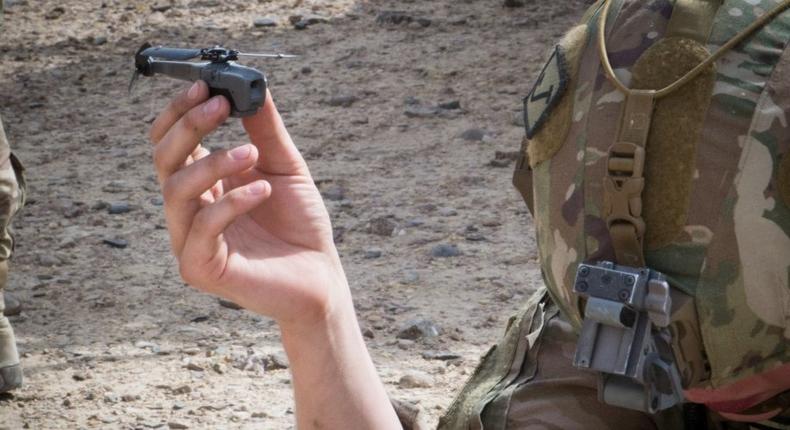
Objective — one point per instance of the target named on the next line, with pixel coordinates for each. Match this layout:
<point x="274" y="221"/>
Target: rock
<point x="48" y="260"/>
<point x="81" y="376"/>
<point x="517" y="119"/>
<point x="447" y="211"/>
<point x="334" y="193"/>
<point x="147" y="345"/>
<point x="440" y="355"/>
<point x="418" y="329"/>
<point x="130" y="397"/>
<point x="394" y="17"/>
<point x="156" y="18"/>
<point x="99" y="40"/>
<point x="219" y="368"/>
<point x="157" y="201"/>
<point x="499" y="163"/>
<point x="263" y="22"/>
<point x="451" y="105"/>
<point x="382" y="226"/>
<point x="507" y="155"/>
<point x="161" y="7"/>
<point x="342" y="100"/>
<point x="405" y="344"/>
<point x="175" y="425"/>
<point x="184" y="389"/>
<point x="194" y="367"/>
<point x="111" y="398"/>
<point x="306" y="70"/>
<point x="118" y="208"/>
<point x="117" y="187"/>
<point x="302" y="22"/>
<point x="409" y="277"/>
<point x="277" y="361"/>
<point x="415" y="380"/>
<point x="228" y="304"/>
<point x="445" y="250"/>
<point x="116" y="243"/>
<point x="514" y="3"/>
<point x="372" y="253"/>
<point x="474" y="135"/>
<point x="55" y="13"/>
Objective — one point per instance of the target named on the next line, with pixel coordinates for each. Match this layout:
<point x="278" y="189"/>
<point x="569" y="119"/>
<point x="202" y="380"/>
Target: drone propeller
<point x="246" y="54"/>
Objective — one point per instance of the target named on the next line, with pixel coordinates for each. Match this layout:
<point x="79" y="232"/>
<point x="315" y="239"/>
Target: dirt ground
<point x="112" y="338"/>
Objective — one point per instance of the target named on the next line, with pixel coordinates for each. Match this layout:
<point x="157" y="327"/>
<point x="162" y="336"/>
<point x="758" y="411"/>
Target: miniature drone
<point x="244" y="87"/>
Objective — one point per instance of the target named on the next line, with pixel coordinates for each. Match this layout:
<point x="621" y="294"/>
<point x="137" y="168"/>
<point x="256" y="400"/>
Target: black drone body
<point x="244" y="87"/>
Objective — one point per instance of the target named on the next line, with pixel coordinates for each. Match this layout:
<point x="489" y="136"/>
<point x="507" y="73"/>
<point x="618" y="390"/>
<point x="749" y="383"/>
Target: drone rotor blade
<point x="172" y="54"/>
<point x="244" y="54"/>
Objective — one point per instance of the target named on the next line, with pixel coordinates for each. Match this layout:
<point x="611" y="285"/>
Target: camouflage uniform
<point x="716" y="206"/>
<point x="12" y="188"/>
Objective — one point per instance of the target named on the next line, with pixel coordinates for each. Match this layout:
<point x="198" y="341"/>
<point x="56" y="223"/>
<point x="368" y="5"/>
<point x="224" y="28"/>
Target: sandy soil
<point x="112" y="338"/>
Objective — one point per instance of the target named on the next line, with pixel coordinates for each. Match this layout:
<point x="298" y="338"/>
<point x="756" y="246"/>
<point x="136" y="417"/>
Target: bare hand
<point x="246" y="223"/>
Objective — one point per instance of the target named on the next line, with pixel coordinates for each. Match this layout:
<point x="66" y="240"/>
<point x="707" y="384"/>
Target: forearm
<point x="335" y="383"/>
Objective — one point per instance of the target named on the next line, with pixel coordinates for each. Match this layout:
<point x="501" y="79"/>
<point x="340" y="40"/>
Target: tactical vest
<point x="713" y="194"/>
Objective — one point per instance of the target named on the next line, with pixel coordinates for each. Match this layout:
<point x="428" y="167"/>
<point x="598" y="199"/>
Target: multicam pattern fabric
<point x="733" y="252"/>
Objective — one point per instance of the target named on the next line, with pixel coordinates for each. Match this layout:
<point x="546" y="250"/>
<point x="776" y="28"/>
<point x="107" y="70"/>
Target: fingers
<point x="204" y="245"/>
<point x="182" y="190"/>
<point x="182" y="139"/>
<point x="267" y="131"/>
<point x="185" y="101"/>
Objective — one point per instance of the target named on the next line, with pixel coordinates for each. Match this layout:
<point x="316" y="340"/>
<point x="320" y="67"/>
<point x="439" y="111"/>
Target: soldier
<point x="657" y="146"/>
<point x="11" y="200"/>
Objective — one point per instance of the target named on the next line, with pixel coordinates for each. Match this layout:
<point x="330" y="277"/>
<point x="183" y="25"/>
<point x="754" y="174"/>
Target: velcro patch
<point x="548" y="90"/>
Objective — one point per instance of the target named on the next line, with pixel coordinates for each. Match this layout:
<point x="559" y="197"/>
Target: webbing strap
<point x="625" y="180"/>
<point x="693" y="19"/>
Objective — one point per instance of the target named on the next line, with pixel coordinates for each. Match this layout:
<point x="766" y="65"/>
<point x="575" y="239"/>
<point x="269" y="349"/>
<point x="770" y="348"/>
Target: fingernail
<point x="212" y="106"/>
<point x="257" y="187"/>
<point x="193" y="91"/>
<point x="240" y="153"/>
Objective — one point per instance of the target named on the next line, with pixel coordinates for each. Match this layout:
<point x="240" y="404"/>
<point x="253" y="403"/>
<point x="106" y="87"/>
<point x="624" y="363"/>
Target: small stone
<point x="382" y="226"/>
<point x="372" y="253"/>
<point x="440" y="355"/>
<point x="130" y="397"/>
<point x="117" y="187"/>
<point x="219" y="368"/>
<point x="112" y="398"/>
<point x="405" y="344"/>
<point x="415" y="380"/>
<point x="116" y="243"/>
<point x="474" y="135"/>
<point x="157" y="201"/>
<point x="263" y="22"/>
<point x="184" y="389"/>
<point x="48" y="260"/>
<point x="418" y="329"/>
<point x="161" y="7"/>
<point x="306" y="70"/>
<point x="194" y="367"/>
<point x="410" y="277"/>
<point x="451" y="105"/>
<point x="334" y="193"/>
<point x="177" y="406"/>
<point x="499" y="163"/>
<point x="229" y="304"/>
<point x="342" y="100"/>
<point x="66" y="402"/>
<point x="277" y="361"/>
<point x="117" y="208"/>
<point x="514" y="3"/>
<point x="447" y="211"/>
<point x="99" y="40"/>
<point x="81" y="376"/>
<point x="394" y="17"/>
<point x="517" y="119"/>
<point x="55" y="13"/>
<point x="175" y="425"/>
<point x="507" y="155"/>
<point x="445" y="251"/>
